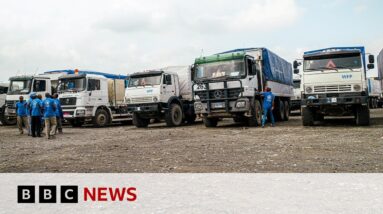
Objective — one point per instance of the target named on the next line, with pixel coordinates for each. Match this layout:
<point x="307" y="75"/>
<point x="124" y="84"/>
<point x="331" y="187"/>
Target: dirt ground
<point x="336" y="146"/>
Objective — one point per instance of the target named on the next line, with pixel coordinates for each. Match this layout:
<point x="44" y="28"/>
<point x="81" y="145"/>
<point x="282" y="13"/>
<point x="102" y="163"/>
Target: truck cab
<point x="161" y="94"/>
<point x="334" y="84"/>
<point x="23" y="86"/>
<point x="92" y="98"/>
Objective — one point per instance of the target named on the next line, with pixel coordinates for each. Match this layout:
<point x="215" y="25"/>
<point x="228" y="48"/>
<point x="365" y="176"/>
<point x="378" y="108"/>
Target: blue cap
<point x="32" y="94"/>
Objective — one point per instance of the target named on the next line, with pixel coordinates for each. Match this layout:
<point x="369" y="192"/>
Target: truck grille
<point x="332" y="88"/>
<point x="11" y="104"/>
<point x="232" y="93"/>
<point x="69" y="101"/>
<point x="141" y="100"/>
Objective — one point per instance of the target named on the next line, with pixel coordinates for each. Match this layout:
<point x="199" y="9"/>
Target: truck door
<point x="94" y="90"/>
<point x="169" y="88"/>
<point x="41" y="86"/>
<point x="252" y="74"/>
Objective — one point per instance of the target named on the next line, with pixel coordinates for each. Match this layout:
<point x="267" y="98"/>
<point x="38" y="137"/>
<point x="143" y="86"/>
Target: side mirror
<point x="370" y="66"/>
<point x="371" y="59"/>
<point x="296" y="71"/>
<point x="296" y="64"/>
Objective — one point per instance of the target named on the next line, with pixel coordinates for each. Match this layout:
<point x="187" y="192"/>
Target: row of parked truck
<point x="333" y="82"/>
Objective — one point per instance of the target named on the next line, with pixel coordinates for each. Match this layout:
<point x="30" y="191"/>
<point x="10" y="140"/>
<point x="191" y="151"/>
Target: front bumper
<point x="71" y="113"/>
<point x="219" y="108"/>
<point x="310" y="101"/>
<point x="147" y="110"/>
<point x="10" y="112"/>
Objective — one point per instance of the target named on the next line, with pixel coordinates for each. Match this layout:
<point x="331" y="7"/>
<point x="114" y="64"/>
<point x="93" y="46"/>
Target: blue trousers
<point x="266" y="110"/>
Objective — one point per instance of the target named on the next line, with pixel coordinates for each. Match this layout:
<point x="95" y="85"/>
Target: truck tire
<point x="307" y="117"/>
<point x="287" y="111"/>
<point x="174" y="116"/>
<point x="140" y="122"/>
<point x="101" y="118"/>
<point x="362" y="116"/>
<point x="280" y="111"/>
<point x="256" y="112"/>
<point x="210" y="122"/>
<point x="190" y="119"/>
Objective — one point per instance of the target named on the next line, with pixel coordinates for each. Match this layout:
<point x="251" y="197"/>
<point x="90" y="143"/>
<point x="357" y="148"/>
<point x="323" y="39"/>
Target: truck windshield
<point x="20" y="86"/>
<point x="144" y="81"/>
<point x="333" y="62"/>
<point x="232" y="68"/>
<point x="72" y="84"/>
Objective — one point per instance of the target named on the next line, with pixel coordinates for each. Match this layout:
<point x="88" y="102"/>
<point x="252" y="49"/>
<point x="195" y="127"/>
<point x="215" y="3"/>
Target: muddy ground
<point x="336" y="146"/>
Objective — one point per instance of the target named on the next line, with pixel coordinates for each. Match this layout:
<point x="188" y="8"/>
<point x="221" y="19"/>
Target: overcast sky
<point x="124" y="36"/>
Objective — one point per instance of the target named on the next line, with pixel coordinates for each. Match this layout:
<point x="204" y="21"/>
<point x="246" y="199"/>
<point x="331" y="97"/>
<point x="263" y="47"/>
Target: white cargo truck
<point x="334" y="83"/>
<point x="161" y="94"/>
<point x="23" y="86"/>
<point x="93" y="97"/>
<point x="229" y="85"/>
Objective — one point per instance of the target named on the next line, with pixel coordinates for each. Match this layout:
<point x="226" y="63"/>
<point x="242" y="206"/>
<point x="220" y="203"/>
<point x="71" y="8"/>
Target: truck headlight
<point x="196" y="97"/>
<point x="155" y="99"/>
<point x="240" y="104"/>
<point x="357" y="87"/>
<point x="198" y="106"/>
<point x="309" y="90"/>
<point x="80" y="112"/>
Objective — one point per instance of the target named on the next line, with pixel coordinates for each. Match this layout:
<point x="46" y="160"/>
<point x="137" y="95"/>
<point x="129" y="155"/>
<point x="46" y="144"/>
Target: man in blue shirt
<point x="36" y="106"/>
<point x="21" y="111"/>
<point x="29" y="111"/>
<point x="59" y="113"/>
<point x="268" y="106"/>
<point x="49" y="116"/>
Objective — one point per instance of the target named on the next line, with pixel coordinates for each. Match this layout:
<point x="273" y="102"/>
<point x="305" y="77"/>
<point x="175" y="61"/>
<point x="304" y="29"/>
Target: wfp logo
<point x="346" y="76"/>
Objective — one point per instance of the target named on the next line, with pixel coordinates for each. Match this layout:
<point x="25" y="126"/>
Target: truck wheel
<point x="287" y="111"/>
<point x="190" y="119"/>
<point x="76" y="123"/>
<point x="174" y="115"/>
<point x="362" y="116"/>
<point x="140" y="122"/>
<point x="280" y="111"/>
<point x="307" y="117"/>
<point x="101" y="119"/>
<point x="256" y="111"/>
<point x="210" y="122"/>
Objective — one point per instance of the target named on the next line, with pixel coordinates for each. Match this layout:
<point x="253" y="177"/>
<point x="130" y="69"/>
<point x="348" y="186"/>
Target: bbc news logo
<point x="70" y="194"/>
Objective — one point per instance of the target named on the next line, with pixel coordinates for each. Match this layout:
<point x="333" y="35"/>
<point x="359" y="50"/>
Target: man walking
<point x="36" y="106"/>
<point x="49" y="116"/>
<point x="59" y="113"/>
<point x="268" y="106"/>
<point x="21" y="111"/>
